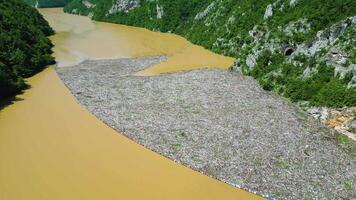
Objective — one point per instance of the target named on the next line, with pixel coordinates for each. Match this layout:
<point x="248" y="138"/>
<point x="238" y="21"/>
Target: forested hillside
<point x="24" y="47"/>
<point x="301" y="49"/>
<point x="46" y="3"/>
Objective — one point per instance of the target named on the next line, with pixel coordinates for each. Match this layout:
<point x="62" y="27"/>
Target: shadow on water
<point x="8" y="101"/>
<point x="13" y="99"/>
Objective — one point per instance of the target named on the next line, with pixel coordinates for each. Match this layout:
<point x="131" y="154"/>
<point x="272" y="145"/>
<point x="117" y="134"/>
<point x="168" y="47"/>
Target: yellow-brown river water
<point x="79" y="38"/>
<point x="51" y="148"/>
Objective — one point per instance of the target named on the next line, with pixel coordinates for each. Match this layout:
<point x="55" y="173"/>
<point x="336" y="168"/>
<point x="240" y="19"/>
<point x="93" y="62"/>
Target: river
<point x="52" y="148"/>
<point x="79" y="38"/>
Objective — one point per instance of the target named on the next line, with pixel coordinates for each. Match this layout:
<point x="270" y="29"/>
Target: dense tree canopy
<point x="47" y="3"/>
<point x="24" y="46"/>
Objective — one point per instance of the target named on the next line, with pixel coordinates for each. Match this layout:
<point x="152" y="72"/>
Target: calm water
<point x="78" y="38"/>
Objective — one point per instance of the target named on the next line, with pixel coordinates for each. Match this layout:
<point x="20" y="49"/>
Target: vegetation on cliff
<point x="304" y="50"/>
<point x="24" y="47"/>
<point x="47" y="3"/>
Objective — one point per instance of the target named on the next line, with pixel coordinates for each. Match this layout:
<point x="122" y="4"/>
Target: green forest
<point x="244" y="29"/>
<point x="46" y="3"/>
<point x="24" y="46"/>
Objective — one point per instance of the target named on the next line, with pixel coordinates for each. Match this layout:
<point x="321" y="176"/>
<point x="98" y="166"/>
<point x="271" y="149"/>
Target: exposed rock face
<point x="251" y="59"/>
<point x="336" y="56"/>
<point x="269" y="12"/>
<point x="124" y="6"/>
<point x="330" y="45"/>
<point x="352" y="83"/>
<point x="325" y="46"/>
<point x="300" y="26"/>
<point x="350" y="125"/>
<point x="293" y="2"/>
<point x="88" y="4"/>
<point x="341" y="120"/>
<point x="324" y="39"/>
<point x="160" y="11"/>
<point x="321" y="114"/>
<point x="201" y="15"/>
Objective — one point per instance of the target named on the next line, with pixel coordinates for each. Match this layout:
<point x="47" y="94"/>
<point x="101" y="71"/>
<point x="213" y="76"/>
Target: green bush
<point x="24" y="46"/>
<point x="47" y="3"/>
<point x="334" y="94"/>
<point x="321" y="88"/>
<point x="10" y="83"/>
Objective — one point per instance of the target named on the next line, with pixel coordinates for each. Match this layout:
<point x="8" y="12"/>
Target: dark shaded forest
<point x="47" y="3"/>
<point x="24" y="47"/>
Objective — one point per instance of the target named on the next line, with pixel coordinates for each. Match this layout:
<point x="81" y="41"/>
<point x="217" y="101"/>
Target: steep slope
<point x="24" y="47"/>
<point x="46" y="3"/>
<point x="304" y="50"/>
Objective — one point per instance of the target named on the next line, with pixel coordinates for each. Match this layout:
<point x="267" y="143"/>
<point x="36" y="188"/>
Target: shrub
<point x="334" y="94"/>
<point x="24" y="47"/>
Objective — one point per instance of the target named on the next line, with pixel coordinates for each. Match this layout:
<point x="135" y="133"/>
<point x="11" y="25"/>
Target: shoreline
<point x="178" y="116"/>
<point x="59" y="146"/>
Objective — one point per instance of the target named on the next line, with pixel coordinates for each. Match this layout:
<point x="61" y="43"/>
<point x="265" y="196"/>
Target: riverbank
<point x="52" y="148"/>
<point x="217" y="122"/>
<point x="50" y="144"/>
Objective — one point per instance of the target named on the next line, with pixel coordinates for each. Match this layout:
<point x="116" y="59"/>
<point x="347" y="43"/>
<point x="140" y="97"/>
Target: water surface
<point x="79" y="38"/>
<point x="52" y="148"/>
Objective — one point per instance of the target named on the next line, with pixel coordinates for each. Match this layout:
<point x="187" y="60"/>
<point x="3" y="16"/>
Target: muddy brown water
<point x="79" y="38"/>
<point x="52" y="148"/>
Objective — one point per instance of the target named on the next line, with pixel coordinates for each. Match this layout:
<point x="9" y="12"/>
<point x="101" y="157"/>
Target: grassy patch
<point x="346" y="144"/>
